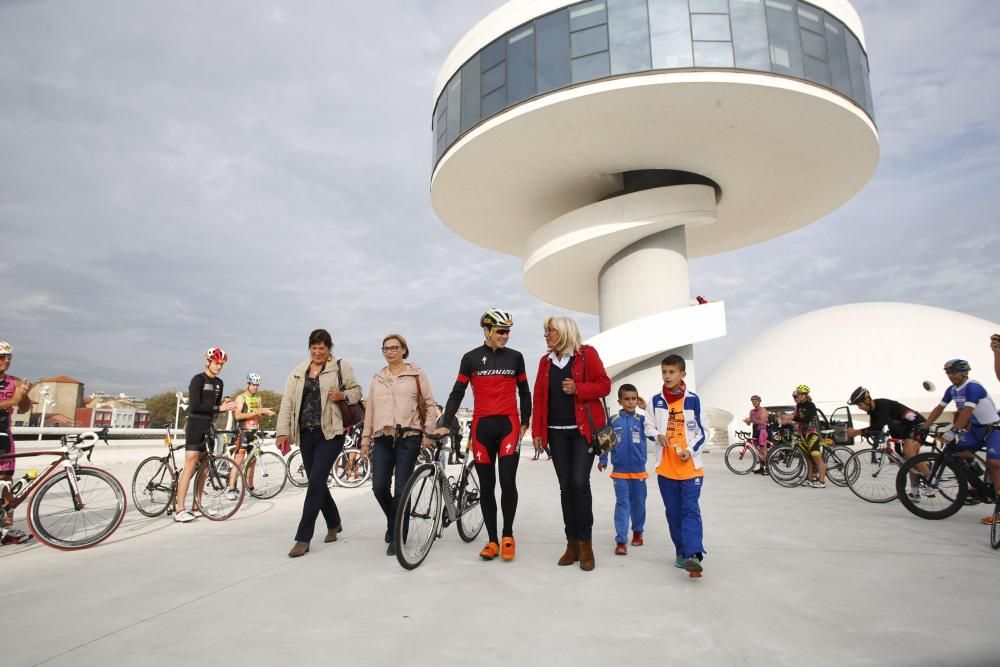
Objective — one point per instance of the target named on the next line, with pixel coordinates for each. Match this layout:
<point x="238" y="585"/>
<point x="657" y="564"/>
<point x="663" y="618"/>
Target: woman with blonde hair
<point x="570" y="382"/>
<point x="400" y="395"/>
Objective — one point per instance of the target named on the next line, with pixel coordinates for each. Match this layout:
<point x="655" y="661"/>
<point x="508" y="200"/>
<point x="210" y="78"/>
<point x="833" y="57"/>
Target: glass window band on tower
<point x="592" y="40"/>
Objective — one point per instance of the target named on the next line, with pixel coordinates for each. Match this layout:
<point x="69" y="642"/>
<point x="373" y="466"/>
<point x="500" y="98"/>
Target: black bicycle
<point x="948" y="479"/>
<point x="430" y="502"/>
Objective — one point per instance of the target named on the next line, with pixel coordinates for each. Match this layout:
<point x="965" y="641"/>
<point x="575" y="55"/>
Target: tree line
<point x="161" y="408"/>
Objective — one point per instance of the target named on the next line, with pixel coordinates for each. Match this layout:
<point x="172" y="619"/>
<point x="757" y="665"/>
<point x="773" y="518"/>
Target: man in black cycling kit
<point x="497" y="373"/>
<point x="901" y="421"/>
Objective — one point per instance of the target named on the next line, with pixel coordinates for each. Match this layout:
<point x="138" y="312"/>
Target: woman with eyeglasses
<point x="569" y="386"/>
<point x="499" y="381"/>
<point x="400" y="395"/>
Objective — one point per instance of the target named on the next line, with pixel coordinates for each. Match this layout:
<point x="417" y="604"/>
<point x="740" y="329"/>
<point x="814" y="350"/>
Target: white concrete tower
<point x="607" y="141"/>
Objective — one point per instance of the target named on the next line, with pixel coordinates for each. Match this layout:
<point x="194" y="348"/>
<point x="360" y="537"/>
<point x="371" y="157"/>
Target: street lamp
<point x="181" y="403"/>
<point x="44" y="393"/>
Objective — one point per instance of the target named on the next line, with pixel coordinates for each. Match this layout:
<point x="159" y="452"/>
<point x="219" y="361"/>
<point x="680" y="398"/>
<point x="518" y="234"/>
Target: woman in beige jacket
<point x="400" y="395"/>
<point x="309" y="415"/>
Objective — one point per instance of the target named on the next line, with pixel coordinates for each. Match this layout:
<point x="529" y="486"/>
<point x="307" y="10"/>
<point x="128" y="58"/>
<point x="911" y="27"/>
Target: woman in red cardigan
<point x="570" y="383"/>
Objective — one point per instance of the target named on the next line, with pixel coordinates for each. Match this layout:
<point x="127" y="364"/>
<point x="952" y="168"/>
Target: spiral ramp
<point x="625" y="259"/>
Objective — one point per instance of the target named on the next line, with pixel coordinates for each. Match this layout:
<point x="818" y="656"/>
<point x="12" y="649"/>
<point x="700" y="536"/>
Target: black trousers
<point x="389" y="462"/>
<point x="573" y="463"/>
<point x="318" y="455"/>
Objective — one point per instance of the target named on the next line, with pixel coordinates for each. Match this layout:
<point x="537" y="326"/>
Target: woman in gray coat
<point x="309" y="415"/>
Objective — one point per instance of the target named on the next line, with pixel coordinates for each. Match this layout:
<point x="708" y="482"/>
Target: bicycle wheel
<point x="350" y="470"/>
<point x="470" y="513"/>
<point x="418" y="516"/>
<point x="741" y="458"/>
<point x="943" y="478"/>
<point x="152" y="486"/>
<point x="296" y="469"/>
<point x="995" y="527"/>
<point x="835" y="459"/>
<point x="871" y="475"/>
<point x="269" y="476"/>
<point x="57" y="518"/>
<point x="214" y="497"/>
<point x="786" y="465"/>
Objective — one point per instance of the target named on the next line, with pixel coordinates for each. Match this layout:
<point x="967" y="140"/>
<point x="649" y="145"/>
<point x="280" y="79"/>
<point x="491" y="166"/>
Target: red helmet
<point x="217" y="354"/>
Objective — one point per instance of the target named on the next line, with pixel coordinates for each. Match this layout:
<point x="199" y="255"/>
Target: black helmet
<point x="494" y="317"/>
<point x="957" y="366"/>
<point x="858" y="395"/>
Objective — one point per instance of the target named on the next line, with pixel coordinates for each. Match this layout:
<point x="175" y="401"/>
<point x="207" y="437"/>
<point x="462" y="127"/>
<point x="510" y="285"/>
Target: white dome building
<point x="891" y="348"/>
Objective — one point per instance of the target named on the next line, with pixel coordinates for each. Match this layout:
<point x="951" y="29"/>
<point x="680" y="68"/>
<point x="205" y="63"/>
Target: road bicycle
<point x="872" y="472"/>
<point x="947" y="478"/>
<point x="742" y="457"/>
<point x="430" y="502"/>
<point x="70" y="506"/>
<point x="154" y="483"/>
<point x="352" y="468"/>
<point x="787" y="466"/>
<point x="995" y="526"/>
<point x="265" y="472"/>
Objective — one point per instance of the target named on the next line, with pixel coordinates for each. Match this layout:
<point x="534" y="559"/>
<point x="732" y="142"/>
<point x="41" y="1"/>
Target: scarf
<point x="674" y="393"/>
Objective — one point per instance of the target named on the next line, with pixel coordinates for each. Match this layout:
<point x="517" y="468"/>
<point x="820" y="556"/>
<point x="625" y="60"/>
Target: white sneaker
<point x="819" y="485"/>
<point x="930" y="492"/>
<point x="914" y="495"/>
<point x="232" y="494"/>
<point x="184" y="517"/>
<point x="809" y="483"/>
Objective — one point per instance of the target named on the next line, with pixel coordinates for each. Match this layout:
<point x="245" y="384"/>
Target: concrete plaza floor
<point x="793" y="577"/>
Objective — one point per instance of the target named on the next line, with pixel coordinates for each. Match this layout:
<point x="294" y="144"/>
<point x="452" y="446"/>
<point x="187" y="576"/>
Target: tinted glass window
<point x="670" y="34"/>
<point x="590" y="67"/>
<point x="552" y="34"/>
<point x="750" y="34"/>
<point x="813" y="45"/>
<point x="710" y="27"/>
<point x="471" y="80"/>
<point x="713" y="54"/>
<point x="810" y="18"/>
<point x="856" y="63"/>
<point x="454" y="89"/>
<point x="783" y="31"/>
<point x="589" y="41"/>
<point x="494" y="78"/>
<point x="521" y="64"/>
<point x="816" y="70"/>
<point x="494" y="102"/>
<point x="710" y="6"/>
<point x="628" y="28"/>
<point x="836" y="49"/>
<point x="587" y="15"/>
<point x="494" y="54"/>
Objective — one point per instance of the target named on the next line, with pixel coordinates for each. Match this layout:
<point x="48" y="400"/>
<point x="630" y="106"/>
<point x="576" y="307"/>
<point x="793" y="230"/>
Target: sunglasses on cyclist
<point x="502" y="332"/>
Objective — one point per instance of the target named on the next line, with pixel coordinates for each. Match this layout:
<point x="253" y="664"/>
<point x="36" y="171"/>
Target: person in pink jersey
<point x="13" y="394"/>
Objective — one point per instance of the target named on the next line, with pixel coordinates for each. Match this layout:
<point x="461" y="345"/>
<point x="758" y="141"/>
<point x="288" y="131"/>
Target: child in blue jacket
<point x="628" y="460"/>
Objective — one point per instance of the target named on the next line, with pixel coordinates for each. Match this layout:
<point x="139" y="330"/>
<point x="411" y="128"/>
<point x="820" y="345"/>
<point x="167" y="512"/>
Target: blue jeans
<point x="387" y="462"/>
<point x="318" y="455"/>
<point x="680" y="499"/>
<point x="630" y="503"/>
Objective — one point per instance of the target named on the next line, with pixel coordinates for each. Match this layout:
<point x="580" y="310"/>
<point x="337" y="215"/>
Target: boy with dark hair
<point x="629" y="475"/>
<point x="675" y="416"/>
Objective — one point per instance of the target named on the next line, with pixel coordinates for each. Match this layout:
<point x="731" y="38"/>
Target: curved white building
<point x="606" y="142"/>
<point x="891" y="348"/>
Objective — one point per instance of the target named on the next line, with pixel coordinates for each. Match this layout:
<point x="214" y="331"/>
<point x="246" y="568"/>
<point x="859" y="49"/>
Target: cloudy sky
<point x="177" y="175"/>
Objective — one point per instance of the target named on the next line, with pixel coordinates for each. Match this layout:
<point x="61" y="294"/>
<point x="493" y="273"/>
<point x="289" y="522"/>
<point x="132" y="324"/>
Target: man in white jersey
<point x="976" y="424"/>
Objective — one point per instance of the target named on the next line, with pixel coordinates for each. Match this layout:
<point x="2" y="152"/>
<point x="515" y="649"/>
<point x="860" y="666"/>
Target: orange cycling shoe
<point x="507" y="548"/>
<point x="490" y="551"/>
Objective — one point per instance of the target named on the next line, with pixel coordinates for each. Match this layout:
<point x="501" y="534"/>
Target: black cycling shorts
<point x="196" y="434"/>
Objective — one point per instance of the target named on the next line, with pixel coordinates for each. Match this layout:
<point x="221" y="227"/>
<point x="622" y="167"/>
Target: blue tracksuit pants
<point x="680" y="498"/>
<point x="630" y="503"/>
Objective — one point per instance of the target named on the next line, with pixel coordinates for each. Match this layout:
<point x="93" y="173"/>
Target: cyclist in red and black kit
<point x="498" y="377"/>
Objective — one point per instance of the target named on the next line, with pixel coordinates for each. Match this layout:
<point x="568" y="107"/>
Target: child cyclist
<point x="13" y="394"/>
<point x="629" y="475"/>
<point x="247" y="413"/>
<point x="675" y="414"/>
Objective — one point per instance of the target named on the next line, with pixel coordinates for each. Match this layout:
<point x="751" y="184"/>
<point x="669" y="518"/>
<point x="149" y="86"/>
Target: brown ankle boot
<point x="572" y="553"/>
<point x="299" y="549"/>
<point x="587" y="561"/>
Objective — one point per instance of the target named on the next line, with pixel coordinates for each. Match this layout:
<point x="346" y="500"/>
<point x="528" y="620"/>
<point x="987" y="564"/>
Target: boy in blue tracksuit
<point x="628" y="460"/>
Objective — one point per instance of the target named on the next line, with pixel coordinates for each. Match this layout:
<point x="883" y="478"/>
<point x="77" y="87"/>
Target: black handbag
<point x="603" y="440"/>
<point x="351" y="413"/>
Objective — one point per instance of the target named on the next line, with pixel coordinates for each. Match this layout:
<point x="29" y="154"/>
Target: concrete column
<point x="648" y="277"/>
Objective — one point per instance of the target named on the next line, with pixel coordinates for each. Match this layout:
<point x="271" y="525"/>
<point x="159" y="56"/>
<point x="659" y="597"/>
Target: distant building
<point x="113" y="411"/>
<point x="65" y="395"/>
